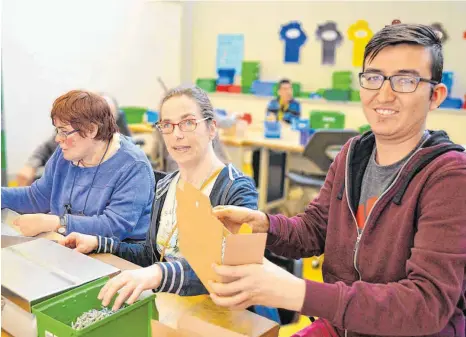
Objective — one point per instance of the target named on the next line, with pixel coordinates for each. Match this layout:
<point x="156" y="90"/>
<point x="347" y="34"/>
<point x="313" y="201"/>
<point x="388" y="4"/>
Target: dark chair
<point x="277" y="174"/>
<point x="321" y="150"/>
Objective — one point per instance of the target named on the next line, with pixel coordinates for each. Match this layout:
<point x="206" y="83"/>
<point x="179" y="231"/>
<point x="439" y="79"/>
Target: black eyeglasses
<point x="187" y="125"/>
<point x="64" y="134"/>
<point x="399" y="83"/>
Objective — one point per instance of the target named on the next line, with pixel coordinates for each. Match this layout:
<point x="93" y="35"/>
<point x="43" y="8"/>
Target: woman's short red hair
<point x="81" y="109"/>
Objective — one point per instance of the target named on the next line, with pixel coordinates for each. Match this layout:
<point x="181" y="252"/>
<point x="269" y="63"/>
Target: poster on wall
<point x="360" y="33"/>
<point x="294" y="38"/>
<point x="230" y="52"/>
<point x="331" y="38"/>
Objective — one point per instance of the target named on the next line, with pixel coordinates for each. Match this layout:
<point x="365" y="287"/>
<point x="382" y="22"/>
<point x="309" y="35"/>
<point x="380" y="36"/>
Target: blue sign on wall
<point x="230" y="52"/>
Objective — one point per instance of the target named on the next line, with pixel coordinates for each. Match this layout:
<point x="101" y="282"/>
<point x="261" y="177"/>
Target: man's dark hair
<point x="283" y="81"/>
<point x="415" y="34"/>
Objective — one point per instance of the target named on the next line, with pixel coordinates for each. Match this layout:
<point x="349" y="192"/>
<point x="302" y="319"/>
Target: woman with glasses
<point x="188" y="127"/>
<point x="96" y="182"/>
<point x="28" y="173"/>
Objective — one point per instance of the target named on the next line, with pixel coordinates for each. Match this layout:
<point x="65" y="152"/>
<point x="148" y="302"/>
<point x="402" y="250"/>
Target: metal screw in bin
<point x="90" y="317"/>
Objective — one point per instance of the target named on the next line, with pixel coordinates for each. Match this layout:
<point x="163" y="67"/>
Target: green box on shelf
<point x="250" y="76"/>
<point x="342" y="75"/>
<point x="245" y="90"/>
<point x="304" y="94"/>
<point x="296" y="89"/>
<point x="250" y="65"/>
<point x="364" y="128"/>
<point x="320" y="92"/>
<point x="55" y="315"/>
<point x="354" y="96"/>
<point x="337" y="95"/>
<point x="134" y="114"/>
<point x="321" y="119"/>
<point x="207" y="84"/>
<point x="247" y="82"/>
<point x="341" y="86"/>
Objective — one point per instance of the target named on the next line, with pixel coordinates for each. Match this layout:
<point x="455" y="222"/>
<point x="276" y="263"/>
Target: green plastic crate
<point x="250" y="65"/>
<point x="134" y="115"/>
<point x="207" y="84"/>
<point x="364" y="128"/>
<point x="245" y="90"/>
<point x="354" y="96"/>
<point x="54" y="316"/>
<point x="320" y="92"/>
<point x="337" y="95"/>
<point x="249" y="76"/>
<point x="342" y="75"/>
<point x="341" y="86"/>
<point x="305" y="94"/>
<point x="321" y="119"/>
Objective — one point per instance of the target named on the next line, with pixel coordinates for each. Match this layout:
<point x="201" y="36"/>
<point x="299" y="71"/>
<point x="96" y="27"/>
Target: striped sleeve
<point x="172" y="277"/>
<point x="105" y="245"/>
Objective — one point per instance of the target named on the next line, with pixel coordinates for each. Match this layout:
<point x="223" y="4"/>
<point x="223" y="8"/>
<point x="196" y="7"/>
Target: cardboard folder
<point x="203" y="240"/>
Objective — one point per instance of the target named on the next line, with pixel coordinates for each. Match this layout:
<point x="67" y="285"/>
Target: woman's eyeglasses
<point x="64" y="134"/>
<point x="186" y="125"/>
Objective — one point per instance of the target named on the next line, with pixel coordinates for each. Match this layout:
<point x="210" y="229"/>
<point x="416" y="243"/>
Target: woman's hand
<point x="81" y="243"/>
<point x="33" y="224"/>
<point x="130" y="284"/>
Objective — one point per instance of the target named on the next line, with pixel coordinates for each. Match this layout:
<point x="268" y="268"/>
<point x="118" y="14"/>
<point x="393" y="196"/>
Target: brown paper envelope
<point x="200" y="233"/>
<point x="204" y="329"/>
<point x="244" y="249"/>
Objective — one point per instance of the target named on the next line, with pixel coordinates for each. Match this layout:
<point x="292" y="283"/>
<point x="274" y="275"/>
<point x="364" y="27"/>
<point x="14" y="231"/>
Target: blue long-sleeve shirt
<point x="119" y="202"/>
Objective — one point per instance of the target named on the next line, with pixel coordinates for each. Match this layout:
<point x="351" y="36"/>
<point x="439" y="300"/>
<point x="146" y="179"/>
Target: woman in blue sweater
<point x="188" y="128"/>
<point x="96" y="182"/>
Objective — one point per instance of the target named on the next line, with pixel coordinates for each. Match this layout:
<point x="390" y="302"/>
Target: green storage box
<point x="305" y="94"/>
<point x="341" y="86"/>
<point x="337" y="95"/>
<point x="320" y="119"/>
<point x="354" y="96"/>
<point x="207" y="84"/>
<point x="320" y="92"/>
<point x="250" y="65"/>
<point x="342" y="76"/>
<point x="134" y="115"/>
<point x="245" y="90"/>
<point x="54" y="316"/>
<point x="364" y="128"/>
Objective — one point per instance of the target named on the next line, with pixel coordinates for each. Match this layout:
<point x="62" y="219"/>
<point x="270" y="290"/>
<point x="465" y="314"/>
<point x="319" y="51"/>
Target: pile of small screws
<point x="92" y="316"/>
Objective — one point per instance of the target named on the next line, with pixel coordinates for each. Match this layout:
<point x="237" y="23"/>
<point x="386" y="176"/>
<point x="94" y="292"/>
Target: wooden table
<point x="254" y="139"/>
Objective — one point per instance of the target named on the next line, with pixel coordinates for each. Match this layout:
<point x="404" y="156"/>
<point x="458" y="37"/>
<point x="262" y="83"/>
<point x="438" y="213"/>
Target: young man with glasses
<point x="391" y="216"/>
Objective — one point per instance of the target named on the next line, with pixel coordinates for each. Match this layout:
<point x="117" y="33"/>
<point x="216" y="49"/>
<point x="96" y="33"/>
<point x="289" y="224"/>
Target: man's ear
<point x="439" y="93"/>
